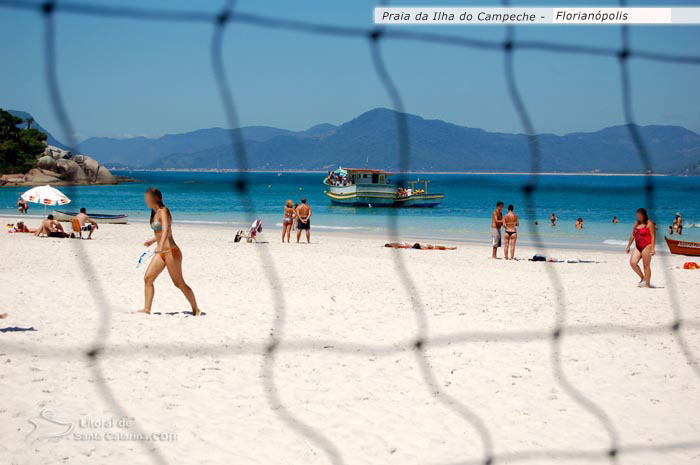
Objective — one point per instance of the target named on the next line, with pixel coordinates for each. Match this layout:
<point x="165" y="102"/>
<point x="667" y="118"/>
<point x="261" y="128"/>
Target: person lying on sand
<point x="398" y="245"/>
<point x="51" y="228"/>
<point x="20" y="227"/>
<point x="3" y="315"/>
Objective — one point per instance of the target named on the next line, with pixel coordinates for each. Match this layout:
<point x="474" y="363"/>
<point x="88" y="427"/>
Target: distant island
<point x="435" y="146"/>
<point x="31" y="156"/>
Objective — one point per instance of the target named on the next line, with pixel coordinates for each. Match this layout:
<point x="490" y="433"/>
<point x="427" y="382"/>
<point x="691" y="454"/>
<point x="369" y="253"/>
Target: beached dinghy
<point x="97" y="217"/>
<point x="683" y="247"/>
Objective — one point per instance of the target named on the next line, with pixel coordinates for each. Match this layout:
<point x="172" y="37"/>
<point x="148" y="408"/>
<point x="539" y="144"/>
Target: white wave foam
<point x="337" y="228"/>
<point x="614" y="242"/>
<point x="202" y="222"/>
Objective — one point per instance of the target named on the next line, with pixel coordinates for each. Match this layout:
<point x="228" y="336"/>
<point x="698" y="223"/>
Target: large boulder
<point x="71" y="171"/>
<point x="56" y="153"/>
<point x="94" y="171"/>
<point x="47" y="163"/>
<point x="11" y="179"/>
<point x="38" y="177"/>
<point x="105" y="177"/>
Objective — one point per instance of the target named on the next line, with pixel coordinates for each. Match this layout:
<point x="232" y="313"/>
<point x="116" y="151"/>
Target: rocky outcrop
<point x="60" y="167"/>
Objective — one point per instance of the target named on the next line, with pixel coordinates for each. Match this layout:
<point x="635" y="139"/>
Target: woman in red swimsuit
<point x="644" y="237"/>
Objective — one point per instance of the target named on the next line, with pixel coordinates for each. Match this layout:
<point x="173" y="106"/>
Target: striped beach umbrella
<point x="45" y="195"/>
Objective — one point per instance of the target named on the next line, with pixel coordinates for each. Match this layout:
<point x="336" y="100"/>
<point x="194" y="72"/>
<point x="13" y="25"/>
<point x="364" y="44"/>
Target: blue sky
<point x="123" y="78"/>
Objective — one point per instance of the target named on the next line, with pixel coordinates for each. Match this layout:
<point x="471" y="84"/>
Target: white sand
<point x="344" y="366"/>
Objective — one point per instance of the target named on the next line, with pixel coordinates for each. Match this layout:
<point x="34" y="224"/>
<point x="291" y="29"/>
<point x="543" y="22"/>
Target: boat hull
<point x="97" y="217"/>
<point x="379" y="196"/>
<point x="691" y="249"/>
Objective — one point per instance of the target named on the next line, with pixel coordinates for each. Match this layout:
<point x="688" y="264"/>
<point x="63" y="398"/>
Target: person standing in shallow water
<point x="644" y="237"/>
<point x="168" y="254"/>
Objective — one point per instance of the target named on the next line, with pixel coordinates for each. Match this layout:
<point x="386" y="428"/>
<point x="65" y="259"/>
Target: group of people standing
<point x="677" y="225"/>
<point x="509" y="223"/>
<point x="643" y="236"/>
<point x="296" y="216"/>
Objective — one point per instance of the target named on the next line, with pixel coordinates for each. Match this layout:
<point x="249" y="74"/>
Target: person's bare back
<point x="511" y="221"/>
<point x="303" y="212"/>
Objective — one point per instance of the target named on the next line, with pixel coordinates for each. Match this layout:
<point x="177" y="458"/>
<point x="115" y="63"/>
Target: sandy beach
<point x="345" y="382"/>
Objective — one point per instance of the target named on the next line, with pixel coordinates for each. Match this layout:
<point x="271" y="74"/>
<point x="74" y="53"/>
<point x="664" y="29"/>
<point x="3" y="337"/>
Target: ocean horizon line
<point x="471" y="173"/>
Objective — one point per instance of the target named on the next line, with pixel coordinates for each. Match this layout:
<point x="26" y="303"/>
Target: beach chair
<point x="77" y="230"/>
<point x="252" y="233"/>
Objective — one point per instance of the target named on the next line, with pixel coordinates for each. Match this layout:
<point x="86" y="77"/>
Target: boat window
<point x="375" y="178"/>
<point x="381" y="179"/>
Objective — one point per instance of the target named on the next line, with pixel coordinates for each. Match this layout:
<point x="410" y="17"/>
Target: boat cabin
<point x="352" y="176"/>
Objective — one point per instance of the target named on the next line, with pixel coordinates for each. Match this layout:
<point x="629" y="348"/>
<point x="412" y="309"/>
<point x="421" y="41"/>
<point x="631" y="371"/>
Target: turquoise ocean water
<point x="210" y="197"/>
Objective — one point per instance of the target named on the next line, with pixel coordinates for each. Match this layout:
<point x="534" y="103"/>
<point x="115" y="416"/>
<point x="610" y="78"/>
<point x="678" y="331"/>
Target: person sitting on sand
<point x="51" y="228"/>
<point x="167" y="254"/>
<point x="287" y="220"/>
<point x="303" y="213"/>
<point x="579" y="223"/>
<point x="510" y="224"/>
<point x="496" y="223"/>
<point x="553" y="219"/>
<point x="644" y="237"/>
<point x="20" y="227"/>
<point x="83" y="218"/>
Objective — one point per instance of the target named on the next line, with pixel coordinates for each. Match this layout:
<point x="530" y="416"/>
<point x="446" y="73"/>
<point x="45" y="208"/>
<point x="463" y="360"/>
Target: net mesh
<point x="422" y="341"/>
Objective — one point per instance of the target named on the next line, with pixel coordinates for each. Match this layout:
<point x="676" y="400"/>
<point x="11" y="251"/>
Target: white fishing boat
<point x="374" y="188"/>
<point x="97" y="217"/>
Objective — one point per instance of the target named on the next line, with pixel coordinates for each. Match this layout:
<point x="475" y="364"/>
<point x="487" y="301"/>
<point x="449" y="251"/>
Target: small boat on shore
<point x="683" y="247"/>
<point x="373" y="188"/>
<point x="97" y="217"/>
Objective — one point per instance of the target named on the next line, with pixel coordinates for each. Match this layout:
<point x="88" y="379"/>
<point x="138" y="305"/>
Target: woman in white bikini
<point x="287" y="220"/>
<point x="168" y="254"/>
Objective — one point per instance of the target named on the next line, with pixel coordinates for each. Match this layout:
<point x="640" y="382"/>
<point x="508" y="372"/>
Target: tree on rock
<point x="19" y="147"/>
